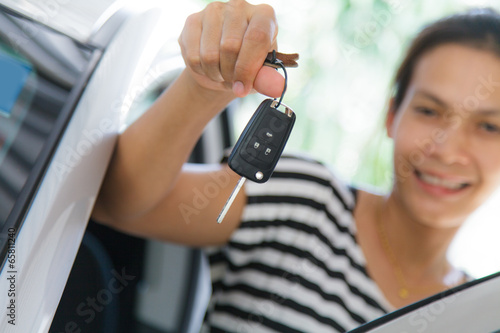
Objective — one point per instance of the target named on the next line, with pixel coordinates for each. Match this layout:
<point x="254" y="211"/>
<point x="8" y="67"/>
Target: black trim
<point x="295" y="278"/>
<point x="302" y="176"/>
<point x="216" y="258"/>
<point x="355" y="194"/>
<point x="311" y="178"/>
<point x="274" y="199"/>
<point x="258" y="266"/>
<point x="261" y="319"/>
<point x="285" y="302"/>
<point x="27" y="194"/>
<point x="215" y="329"/>
<point x="307" y="229"/>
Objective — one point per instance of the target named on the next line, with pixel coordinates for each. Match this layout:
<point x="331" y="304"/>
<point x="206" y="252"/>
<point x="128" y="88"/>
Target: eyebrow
<point x="437" y="100"/>
<point x="489" y="113"/>
<point x="432" y="97"/>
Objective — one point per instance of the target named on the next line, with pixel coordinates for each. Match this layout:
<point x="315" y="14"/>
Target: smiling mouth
<point x="437" y="181"/>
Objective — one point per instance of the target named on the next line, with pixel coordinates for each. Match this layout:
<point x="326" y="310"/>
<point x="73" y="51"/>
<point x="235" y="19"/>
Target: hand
<point x="224" y="47"/>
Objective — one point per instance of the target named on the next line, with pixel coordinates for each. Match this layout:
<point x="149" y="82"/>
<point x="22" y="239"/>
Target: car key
<point x="260" y="145"/>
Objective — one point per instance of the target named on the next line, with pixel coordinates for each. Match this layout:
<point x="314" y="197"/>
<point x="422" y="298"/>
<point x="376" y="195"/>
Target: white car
<point x="70" y="71"/>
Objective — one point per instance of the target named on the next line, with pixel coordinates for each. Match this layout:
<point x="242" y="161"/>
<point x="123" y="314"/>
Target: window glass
<point x="41" y="72"/>
<point x="16" y="86"/>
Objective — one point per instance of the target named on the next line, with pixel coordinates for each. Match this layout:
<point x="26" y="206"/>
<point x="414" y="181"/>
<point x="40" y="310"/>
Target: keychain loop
<point x="276" y="61"/>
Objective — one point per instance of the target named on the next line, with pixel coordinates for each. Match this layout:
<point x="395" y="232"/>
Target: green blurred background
<point x="349" y="51"/>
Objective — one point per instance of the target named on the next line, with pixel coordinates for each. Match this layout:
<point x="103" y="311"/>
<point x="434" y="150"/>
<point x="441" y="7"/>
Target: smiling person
<point x="306" y="251"/>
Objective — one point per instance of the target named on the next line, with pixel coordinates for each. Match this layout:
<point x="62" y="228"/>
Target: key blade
<point x="231" y="198"/>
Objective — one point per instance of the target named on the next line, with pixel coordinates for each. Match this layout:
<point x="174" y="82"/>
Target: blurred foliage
<point x="349" y="52"/>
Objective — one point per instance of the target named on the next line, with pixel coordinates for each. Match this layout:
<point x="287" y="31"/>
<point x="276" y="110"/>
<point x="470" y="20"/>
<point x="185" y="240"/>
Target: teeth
<point x="440" y="182"/>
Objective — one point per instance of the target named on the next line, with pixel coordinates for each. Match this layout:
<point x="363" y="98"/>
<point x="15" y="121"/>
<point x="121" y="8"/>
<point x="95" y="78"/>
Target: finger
<point x="210" y="40"/>
<point x="260" y="38"/>
<point x="189" y="41"/>
<point x="269" y="82"/>
<point x="233" y="32"/>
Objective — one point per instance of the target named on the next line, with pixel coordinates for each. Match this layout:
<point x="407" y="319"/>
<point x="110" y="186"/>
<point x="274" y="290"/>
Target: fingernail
<point x="238" y="89"/>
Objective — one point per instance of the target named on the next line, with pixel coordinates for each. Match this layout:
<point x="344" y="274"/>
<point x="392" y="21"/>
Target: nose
<point x="452" y="147"/>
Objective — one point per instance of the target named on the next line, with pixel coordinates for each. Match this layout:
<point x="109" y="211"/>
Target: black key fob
<point x="261" y="143"/>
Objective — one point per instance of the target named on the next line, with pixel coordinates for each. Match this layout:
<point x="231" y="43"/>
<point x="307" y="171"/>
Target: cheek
<point x="489" y="164"/>
<point x="406" y="158"/>
<point x="489" y="179"/>
<point x="412" y="143"/>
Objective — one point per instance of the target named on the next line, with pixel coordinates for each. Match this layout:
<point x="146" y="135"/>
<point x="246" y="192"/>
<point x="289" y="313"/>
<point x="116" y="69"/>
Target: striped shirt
<point x="294" y="264"/>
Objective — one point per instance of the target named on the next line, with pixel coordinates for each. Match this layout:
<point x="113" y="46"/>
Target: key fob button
<point x="253" y="150"/>
<point x="268" y="154"/>
<point x="274" y="131"/>
<point x="267" y="135"/>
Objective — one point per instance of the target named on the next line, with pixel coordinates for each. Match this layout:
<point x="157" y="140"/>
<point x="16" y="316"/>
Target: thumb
<point x="269" y="82"/>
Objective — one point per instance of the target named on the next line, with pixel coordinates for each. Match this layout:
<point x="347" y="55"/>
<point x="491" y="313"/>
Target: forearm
<point x="149" y="155"/>
<point x="224" y="47"/>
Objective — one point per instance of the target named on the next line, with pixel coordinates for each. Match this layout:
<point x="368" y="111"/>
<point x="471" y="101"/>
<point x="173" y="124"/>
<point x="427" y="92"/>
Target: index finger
<point x="259" y="39"/>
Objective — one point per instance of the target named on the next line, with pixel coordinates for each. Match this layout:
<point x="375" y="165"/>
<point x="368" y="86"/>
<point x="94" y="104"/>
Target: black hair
<point x="478" y="28"/>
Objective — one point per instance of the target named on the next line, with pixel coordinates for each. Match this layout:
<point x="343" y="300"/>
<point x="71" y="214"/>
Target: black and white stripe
<point x="294" y="264"/>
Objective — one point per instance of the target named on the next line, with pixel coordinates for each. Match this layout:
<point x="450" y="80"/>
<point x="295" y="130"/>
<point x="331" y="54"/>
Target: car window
<point x="42" y="72"/>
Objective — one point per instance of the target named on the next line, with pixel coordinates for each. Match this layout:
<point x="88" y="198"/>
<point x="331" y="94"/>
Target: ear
<point x="389" y="120"/>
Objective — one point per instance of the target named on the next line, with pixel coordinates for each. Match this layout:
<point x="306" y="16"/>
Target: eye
<point x="489" y="127"/>
<point x="426" y="111"/>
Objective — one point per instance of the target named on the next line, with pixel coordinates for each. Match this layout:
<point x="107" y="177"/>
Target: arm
<point x="148" y="191"/>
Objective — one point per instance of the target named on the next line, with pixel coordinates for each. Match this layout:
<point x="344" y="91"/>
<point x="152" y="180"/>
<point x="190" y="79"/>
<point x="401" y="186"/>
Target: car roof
<point x="78" y="19"/>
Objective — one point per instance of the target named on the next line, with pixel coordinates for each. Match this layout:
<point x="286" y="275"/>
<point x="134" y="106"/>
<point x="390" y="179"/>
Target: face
<point x="446" y="135"/>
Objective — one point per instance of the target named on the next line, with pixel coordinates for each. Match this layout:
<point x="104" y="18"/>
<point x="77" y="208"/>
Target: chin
<point x="432" y="213"/>
<point x="440" y="223"/>
<point x="440" y="215"/>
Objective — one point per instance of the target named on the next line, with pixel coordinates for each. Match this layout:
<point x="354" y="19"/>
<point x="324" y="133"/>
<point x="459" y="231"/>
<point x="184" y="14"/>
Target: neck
<point x="419" y="248"/>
